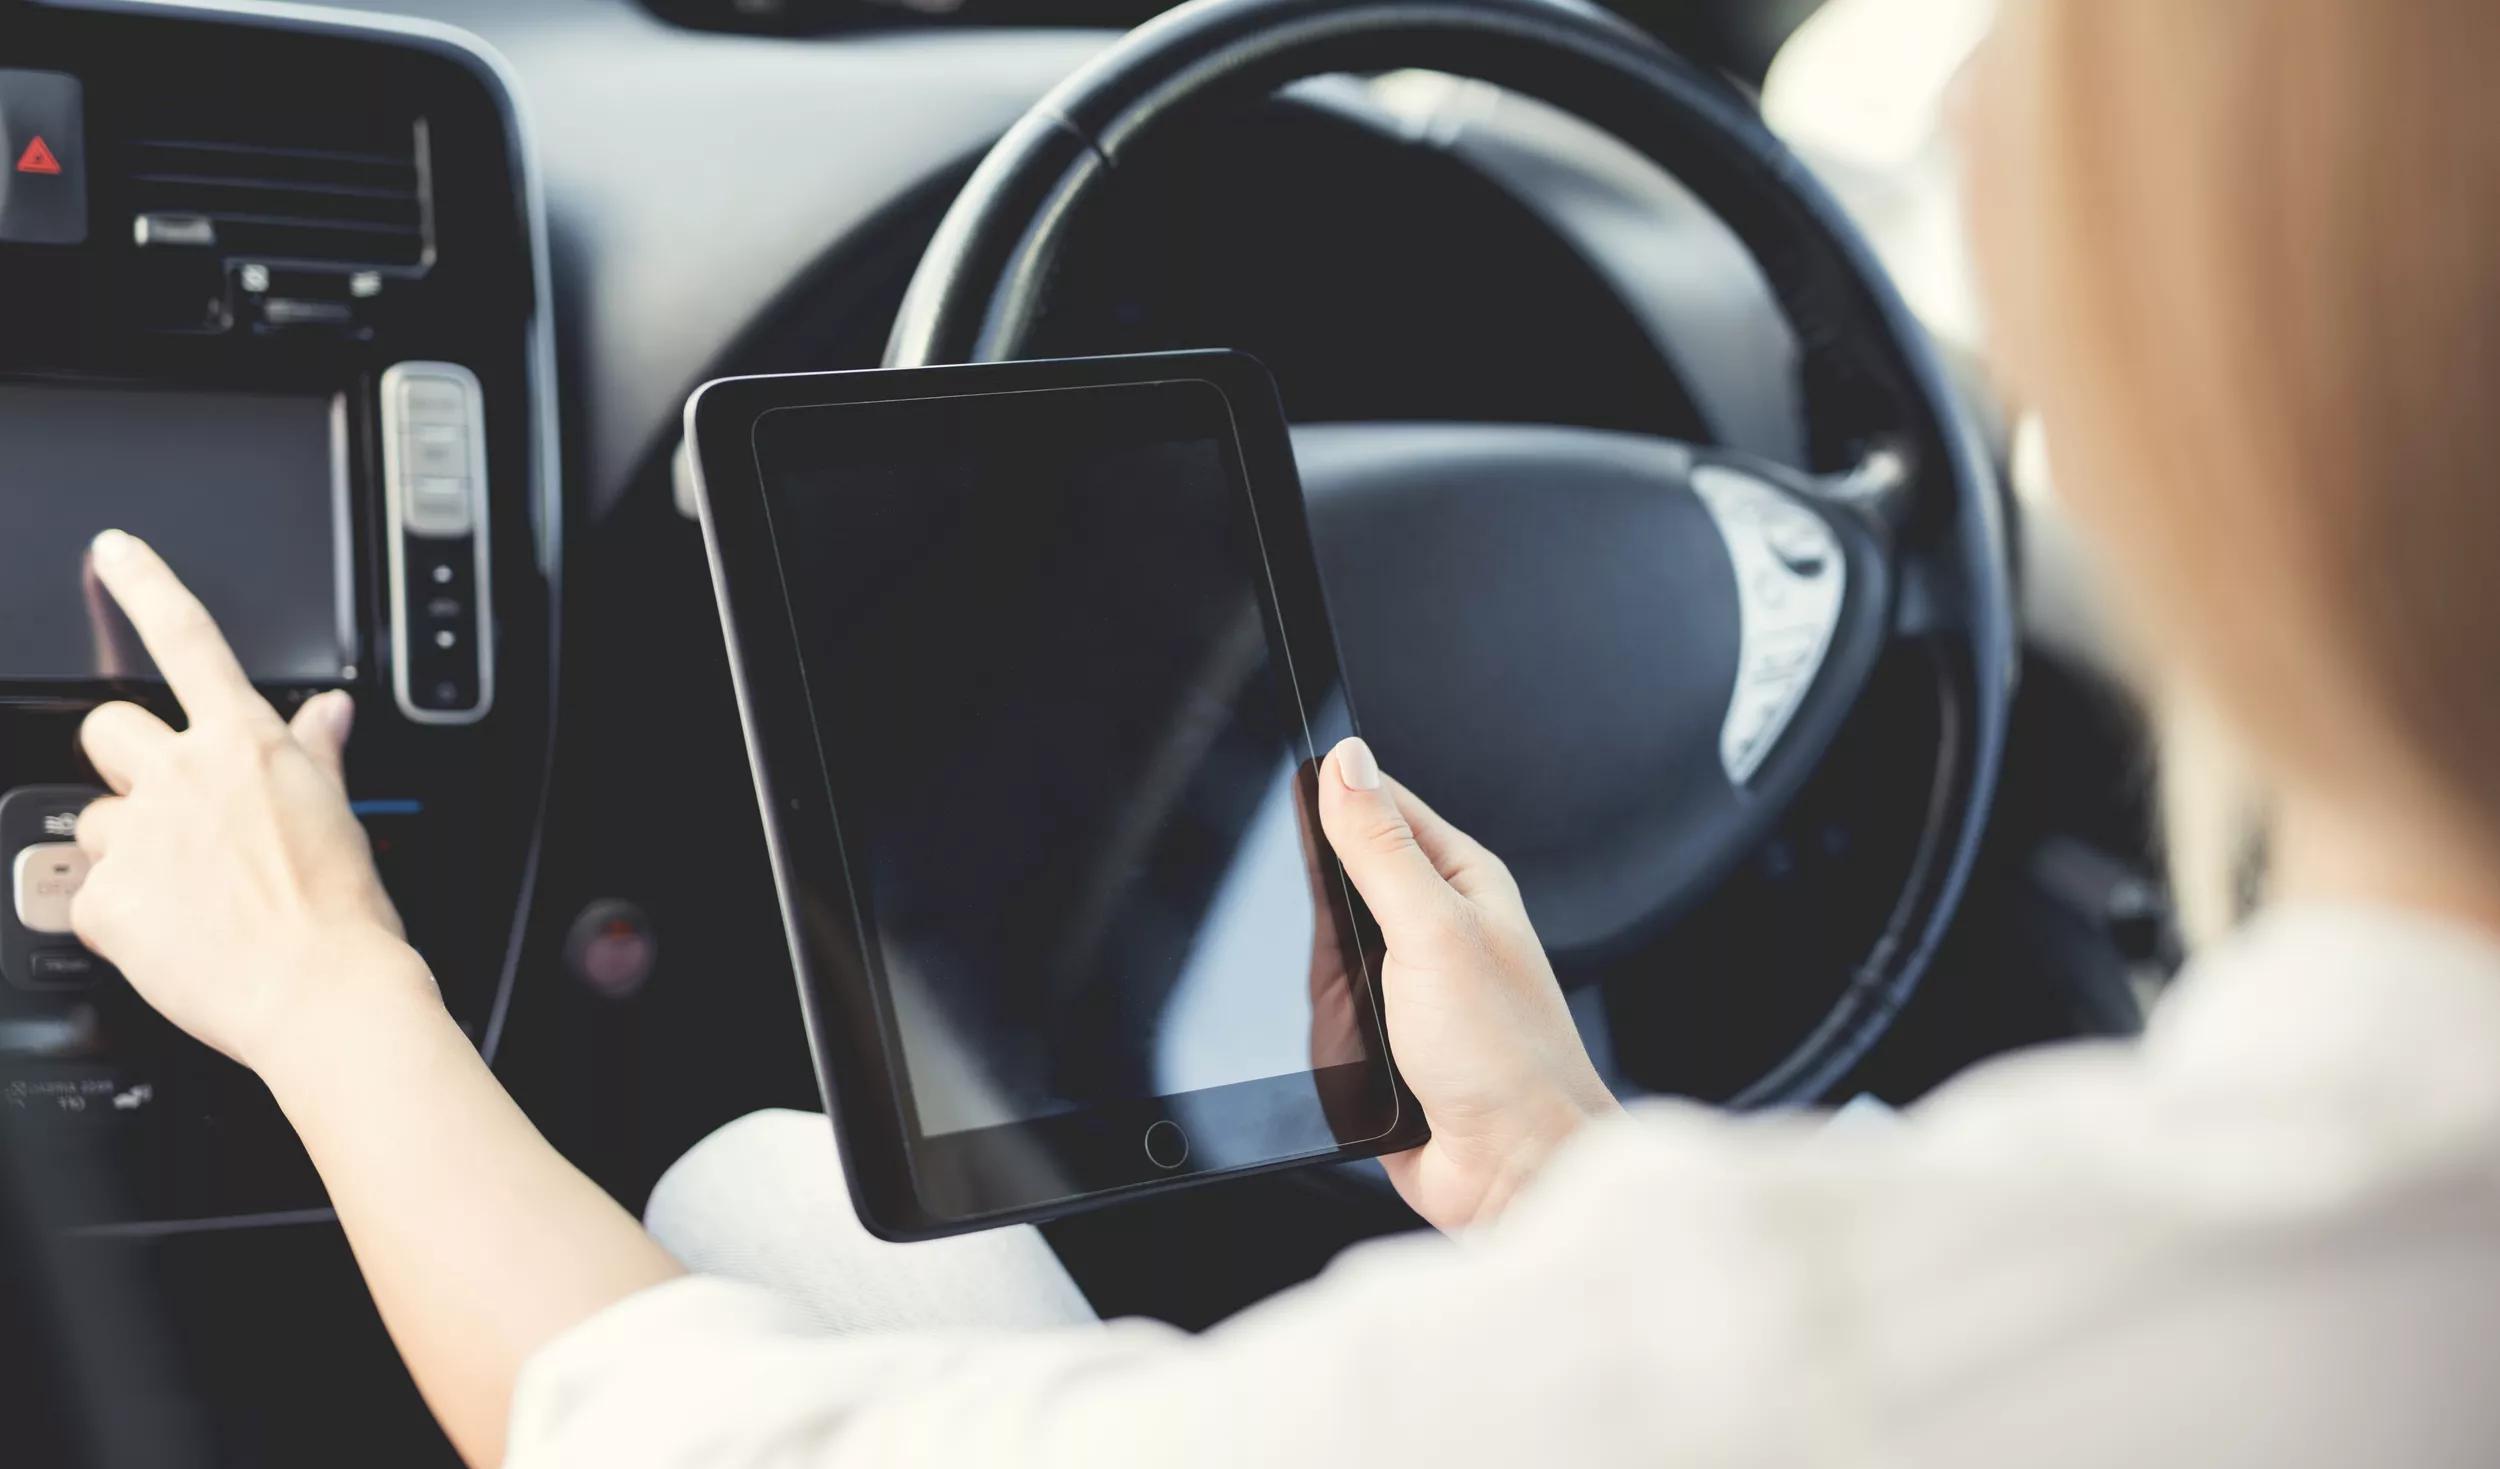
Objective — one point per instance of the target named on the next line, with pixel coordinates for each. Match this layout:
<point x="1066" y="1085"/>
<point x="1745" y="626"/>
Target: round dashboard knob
<point x="611" y="948"/>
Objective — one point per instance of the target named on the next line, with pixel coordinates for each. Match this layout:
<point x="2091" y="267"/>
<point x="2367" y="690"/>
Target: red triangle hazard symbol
<point x="38" y="158"/>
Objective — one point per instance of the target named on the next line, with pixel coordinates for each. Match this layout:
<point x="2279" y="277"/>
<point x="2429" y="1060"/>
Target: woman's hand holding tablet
<point x="1489" y="1046"/>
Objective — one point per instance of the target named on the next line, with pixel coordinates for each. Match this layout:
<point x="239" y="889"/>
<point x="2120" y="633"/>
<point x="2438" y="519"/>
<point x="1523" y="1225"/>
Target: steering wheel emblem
<point x="1789" y="580"/>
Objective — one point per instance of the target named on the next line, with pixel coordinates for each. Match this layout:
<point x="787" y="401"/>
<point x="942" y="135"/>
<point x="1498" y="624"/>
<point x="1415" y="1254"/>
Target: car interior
<point x="388" y="312"/>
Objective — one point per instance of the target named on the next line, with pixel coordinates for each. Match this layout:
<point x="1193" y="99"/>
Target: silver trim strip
<point x="396" y="517"/>
<point x="546" y="459"/>
<point x="209" y="1224"/>
<point x="343" y="539"/>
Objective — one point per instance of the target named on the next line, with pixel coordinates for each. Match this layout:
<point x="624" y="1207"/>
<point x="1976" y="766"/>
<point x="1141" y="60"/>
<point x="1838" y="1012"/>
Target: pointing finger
<point x="177" y="631"/>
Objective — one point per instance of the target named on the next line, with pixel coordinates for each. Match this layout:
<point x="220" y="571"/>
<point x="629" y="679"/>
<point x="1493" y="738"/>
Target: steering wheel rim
<point x="1897" y="470"/>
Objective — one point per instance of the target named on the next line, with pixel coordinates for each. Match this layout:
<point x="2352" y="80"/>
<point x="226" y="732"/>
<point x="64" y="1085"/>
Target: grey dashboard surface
<point x="693" y="177"/>
<point x="690" y="177"/>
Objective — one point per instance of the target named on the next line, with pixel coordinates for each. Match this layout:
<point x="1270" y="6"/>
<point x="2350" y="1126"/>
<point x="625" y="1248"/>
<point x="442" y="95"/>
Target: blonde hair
<point x="2245" y="257"/>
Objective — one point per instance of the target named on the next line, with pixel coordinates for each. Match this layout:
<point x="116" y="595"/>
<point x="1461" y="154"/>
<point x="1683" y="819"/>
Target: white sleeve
<point x="1623" y="1312"/>
<point x="1538" y="1342"/>
<point x="2263" y="1238"/>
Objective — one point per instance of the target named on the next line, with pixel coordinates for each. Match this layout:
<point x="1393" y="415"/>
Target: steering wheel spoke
<point x="1615" y="658"/>
<point x="1882" y="484"/>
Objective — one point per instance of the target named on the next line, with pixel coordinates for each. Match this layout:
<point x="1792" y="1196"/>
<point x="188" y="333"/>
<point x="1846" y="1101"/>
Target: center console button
<point x="438" y="505"/>
<point x="438" y="449"/>
<point x="43" y="158"/>
<point x="44" y="878"/>
<point x="433" y="400"/>
<point x="60" y="968"/>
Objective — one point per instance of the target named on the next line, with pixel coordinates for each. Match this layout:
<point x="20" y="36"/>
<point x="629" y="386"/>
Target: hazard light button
<point x="43" y="159"/>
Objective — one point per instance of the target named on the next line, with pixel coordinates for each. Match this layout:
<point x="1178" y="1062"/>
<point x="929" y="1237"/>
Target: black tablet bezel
<point x="909" y="1185"/>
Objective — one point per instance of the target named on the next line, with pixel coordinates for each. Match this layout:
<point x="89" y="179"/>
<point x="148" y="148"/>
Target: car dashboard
<point x="276" y="301"/>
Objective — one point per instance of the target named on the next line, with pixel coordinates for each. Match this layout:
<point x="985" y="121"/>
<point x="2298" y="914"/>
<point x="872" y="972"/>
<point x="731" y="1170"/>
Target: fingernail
<point x="1356" y="767"/>
<point x="340" y="712"/>
<point x="111" y="545"/>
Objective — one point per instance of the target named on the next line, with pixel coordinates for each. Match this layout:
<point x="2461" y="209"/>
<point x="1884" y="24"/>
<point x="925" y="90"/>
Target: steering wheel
<point x="1615" y="658"/>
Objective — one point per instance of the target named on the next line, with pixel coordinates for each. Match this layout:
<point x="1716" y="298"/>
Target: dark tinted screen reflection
<point x="240" y="492"/>
<point x="1067" y="754"/>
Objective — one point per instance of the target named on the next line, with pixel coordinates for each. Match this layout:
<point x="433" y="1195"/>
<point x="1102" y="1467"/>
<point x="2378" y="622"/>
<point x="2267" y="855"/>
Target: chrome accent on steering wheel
<point x="1790" y="576"/>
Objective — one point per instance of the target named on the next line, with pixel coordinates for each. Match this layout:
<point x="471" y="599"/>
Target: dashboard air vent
<point x="358" y="202"/>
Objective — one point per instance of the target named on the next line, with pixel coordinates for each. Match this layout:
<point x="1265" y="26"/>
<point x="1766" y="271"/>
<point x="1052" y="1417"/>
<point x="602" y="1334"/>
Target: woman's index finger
<point x="177" y="631"/>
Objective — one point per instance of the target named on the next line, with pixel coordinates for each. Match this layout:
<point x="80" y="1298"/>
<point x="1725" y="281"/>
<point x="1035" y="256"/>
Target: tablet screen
<point x="1041" y="654"/>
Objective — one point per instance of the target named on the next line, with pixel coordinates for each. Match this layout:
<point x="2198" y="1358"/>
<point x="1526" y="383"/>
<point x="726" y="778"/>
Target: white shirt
<point x="2267" y="1235"/>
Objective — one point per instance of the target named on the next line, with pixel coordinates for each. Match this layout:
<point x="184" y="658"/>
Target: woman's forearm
<point x="478" y="1240"/>
<point x="232" y="885"/>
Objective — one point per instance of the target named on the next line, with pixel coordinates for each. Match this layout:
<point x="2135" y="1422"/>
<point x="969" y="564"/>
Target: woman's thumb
<point x="321" y="727"/>
<point x="1376" y="844"/>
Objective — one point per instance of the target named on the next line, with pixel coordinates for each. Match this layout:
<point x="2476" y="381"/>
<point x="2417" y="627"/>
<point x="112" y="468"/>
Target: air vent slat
<point x="314" y="222"/>
<point x="208" y="181"/>
<point x="270" y="150"/>
<point x="203" y="160"/>
<point x="251" y="197"/>
<point x="267" y="197"/>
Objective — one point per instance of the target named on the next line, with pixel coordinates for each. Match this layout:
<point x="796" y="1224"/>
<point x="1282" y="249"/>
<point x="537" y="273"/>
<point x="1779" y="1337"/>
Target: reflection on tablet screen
<point x="1072" y="802"/>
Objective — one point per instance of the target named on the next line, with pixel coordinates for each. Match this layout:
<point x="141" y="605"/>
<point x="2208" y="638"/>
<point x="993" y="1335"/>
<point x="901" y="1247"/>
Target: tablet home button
<point x="1167" y="1145"/>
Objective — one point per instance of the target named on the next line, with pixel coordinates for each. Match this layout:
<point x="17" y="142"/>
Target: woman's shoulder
<point x="2318" y="1070"/>
<point x="2285" y="1193"/>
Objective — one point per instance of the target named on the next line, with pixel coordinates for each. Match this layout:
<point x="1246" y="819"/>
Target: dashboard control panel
<point x="272" y="297"/>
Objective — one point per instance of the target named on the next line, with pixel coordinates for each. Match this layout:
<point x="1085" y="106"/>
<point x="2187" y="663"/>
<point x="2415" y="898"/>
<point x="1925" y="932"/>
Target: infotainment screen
<point x="245" y="494"/>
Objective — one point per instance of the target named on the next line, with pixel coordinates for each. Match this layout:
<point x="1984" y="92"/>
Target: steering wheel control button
<point x="1166" y="1145"/>
<point x="434" y="483"/>
<point x="44" y="879"/>
<point x="43" y="159"/>
<point x="1802" y="543"/>
<point x="1789" y="581"/>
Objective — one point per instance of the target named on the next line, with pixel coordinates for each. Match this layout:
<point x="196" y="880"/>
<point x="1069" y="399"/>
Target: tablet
<point x="1036" y="676"/>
